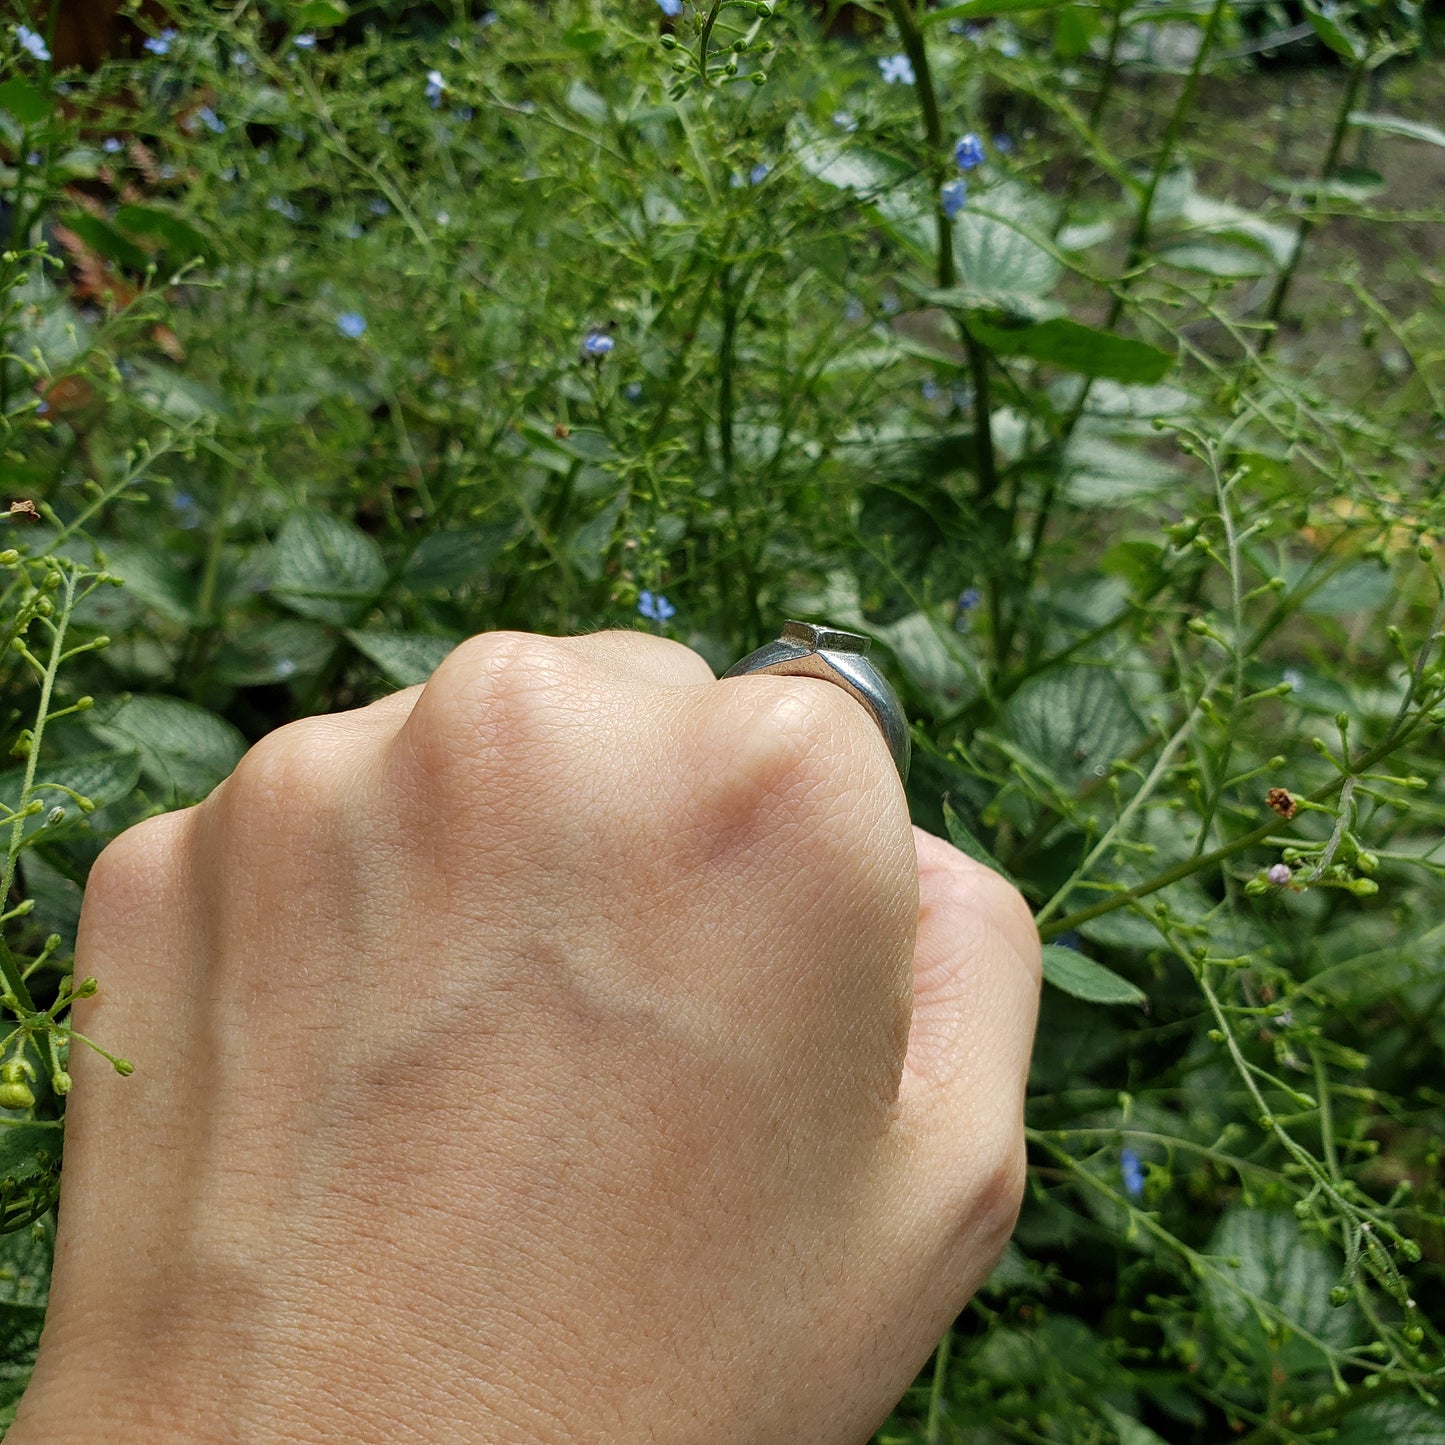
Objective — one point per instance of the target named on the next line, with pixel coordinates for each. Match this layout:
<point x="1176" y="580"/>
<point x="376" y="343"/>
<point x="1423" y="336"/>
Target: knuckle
<point x="495" y="697"/>
<point x="139" y="867"/>
<point x="1011" y="918"/>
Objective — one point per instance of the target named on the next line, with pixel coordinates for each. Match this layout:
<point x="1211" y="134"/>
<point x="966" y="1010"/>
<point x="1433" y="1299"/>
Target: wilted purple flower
<point x="1132" y="1172"/>
<point x="32" y="42"/>
<point x="351" y="324"/>
<point x="897" y="68"/>
<point x="1279" y="874"/>
<point x="670" y="8"/>
<point x="655" y="607"/>
<point x="161" y="44"/>
<point x="953" y="196"/>
<point x="969" y="152"/>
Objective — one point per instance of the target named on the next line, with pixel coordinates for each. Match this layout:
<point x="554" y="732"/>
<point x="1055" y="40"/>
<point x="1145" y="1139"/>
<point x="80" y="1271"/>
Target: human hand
<point x="577" y="1048"/>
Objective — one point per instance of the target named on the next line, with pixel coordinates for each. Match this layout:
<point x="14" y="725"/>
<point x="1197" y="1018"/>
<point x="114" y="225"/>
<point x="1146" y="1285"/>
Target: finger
<point x="976" y="986"/>
<point x="656" y="660"/>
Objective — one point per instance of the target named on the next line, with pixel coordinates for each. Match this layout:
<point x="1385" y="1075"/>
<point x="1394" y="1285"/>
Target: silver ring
<point x="839" y="657"/>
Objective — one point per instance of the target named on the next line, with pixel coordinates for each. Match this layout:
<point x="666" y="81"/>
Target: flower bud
<point x="86" y="987"/>
<point x="60" y="1081"/>
<point x="124" y="1068"/>
<point x="16" y="1096"/>
<point x="16" y="1071"/>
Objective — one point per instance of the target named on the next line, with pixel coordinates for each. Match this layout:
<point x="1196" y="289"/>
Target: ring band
<point x="803" y="650"/>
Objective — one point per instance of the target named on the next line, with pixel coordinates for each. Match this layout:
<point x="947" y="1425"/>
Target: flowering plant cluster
<point x="1084" y="363"/>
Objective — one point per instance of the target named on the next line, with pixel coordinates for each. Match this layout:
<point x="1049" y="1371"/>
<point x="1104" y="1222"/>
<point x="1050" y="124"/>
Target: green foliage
<point x="1131" y="465"/>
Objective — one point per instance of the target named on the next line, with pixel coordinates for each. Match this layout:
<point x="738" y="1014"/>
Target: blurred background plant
<point x="1088" y="356"/>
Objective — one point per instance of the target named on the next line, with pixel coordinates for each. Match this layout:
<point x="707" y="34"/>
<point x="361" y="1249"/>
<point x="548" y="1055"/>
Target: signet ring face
<point x="806" y="650"/>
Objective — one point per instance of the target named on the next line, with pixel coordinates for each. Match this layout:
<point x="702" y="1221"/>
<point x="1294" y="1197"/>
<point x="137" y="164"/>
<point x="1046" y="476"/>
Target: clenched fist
<point x="577" y="1048"/>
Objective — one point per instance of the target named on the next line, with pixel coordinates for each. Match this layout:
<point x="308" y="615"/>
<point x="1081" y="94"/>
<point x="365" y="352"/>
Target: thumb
<point x="976" y="993"/>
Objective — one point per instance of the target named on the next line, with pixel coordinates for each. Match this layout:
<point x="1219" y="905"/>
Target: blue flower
<point x="1132" y="1173"/>
<point x="657" y="607"/>
<point x="596" y="345"/>
<point x="351" y="323"/>
<point x="1279" y="874"/>
<point x="435" y="88"/>
<point x="853" y="309"/>
<point x="161" y="44"/>
<point x="897" y="68"/>
<point x="211" y="120"/>
<point x="112" y="144"/>
<point x="32" y="42"/>
<point x="953" y="196"/>
<point x="930" y="390"/>
<point x="1003" y="145"/>
<point x="969" y="598"/>
<point x="969" y="152"/>
<point x="670" y="8"/>
<point x="758" y="174"/>
<point x="305" y="41"/>
<point x="283" y="207"/>
<point x="377" y="206"/>
<point x="1294" y="677"/>
<point x="633" y="391"/>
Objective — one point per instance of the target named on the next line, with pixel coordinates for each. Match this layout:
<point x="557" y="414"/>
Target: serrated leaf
<point x="182" y="748"/>
<point x="999" y="247"/>
<point x="405" y="658"/>
<point x="179" y="237"/>
<point x="1084" y="978"/>
<point x="1286" y="1271"/>
<point x="24" y="101"/>
<point x="30" y="1151"/>
<point x="1398" y="125"/>
<point x="325" y="568"/>
<point x="1332" y="33"/>
<point x="1077" y="348"/>
<point x="1402" y="1421"/>
<point x="1074" y="722"/>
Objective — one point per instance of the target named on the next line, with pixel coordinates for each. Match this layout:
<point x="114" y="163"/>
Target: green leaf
<point x="1402" y="1421"/>
<point x="986" y="9"/>
<point x="25" y="102"/>
<point x="1332" y="33"/>
<point x="320" y="14"/>
<point x="182" y="748"/>
<point x="1070" y="971"/>
<point x="1398" y="125"/>
<point x="1077" y="348"/>
<point x="179" y="237"/>
<point x="452" y="559"/>
<point x="405" y="658"/>
<point x="856" y="168"/>
<point x="325" y="568"/>
<point x="274" y="651"/>
<point x="1000" y="246"/>
<point x="105" y="240"/>
<point x="30" y="1151"/>
<point x="963" y="838"/>
<point x="1073" y="722"/>
<point x="1287" y="1273"/>
<point x="1228" y="261"/>
<point x="151" y="576"/>
<point x="1099" y="472"/>
<point x="101" y="777"/>
<point x="586" y="102"/>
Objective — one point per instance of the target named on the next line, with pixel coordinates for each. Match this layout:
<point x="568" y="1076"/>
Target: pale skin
<point x="575" y="1049"/>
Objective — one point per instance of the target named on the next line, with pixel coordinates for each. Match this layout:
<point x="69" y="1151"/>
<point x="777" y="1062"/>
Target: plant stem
<point x="934" y="1425"/>
<point x="1307" y="223"/>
